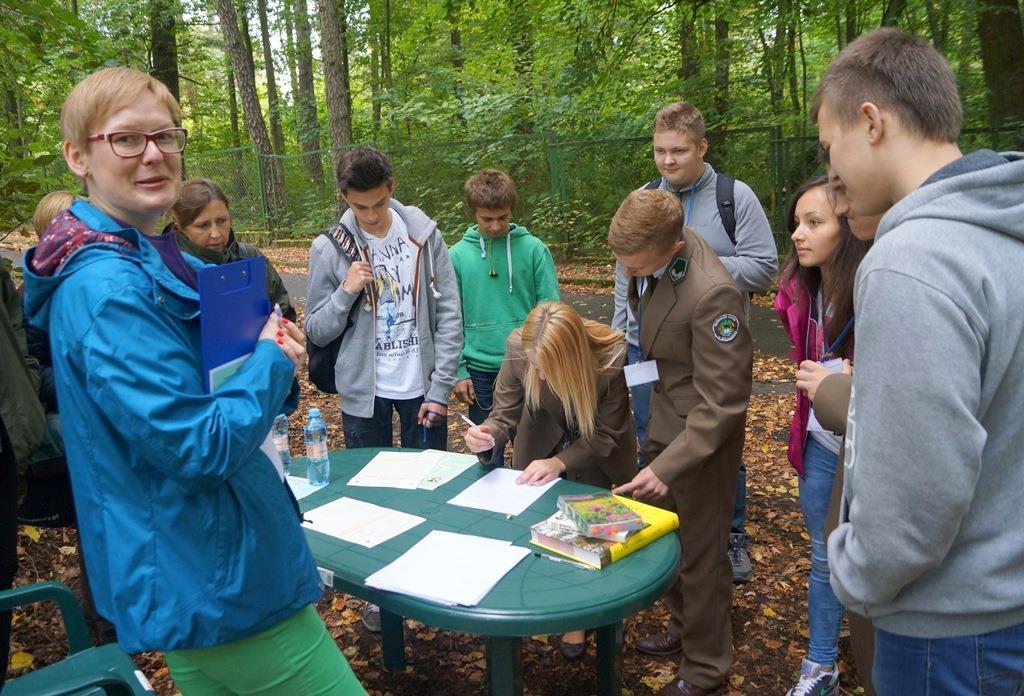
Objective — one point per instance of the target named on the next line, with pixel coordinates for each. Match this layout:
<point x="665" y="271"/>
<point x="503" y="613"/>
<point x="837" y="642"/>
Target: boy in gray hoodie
<point x="389" y="290"/>
<point x="930" y="544"/>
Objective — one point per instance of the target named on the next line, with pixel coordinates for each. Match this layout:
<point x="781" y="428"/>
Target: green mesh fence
<point x="568" y="189"/>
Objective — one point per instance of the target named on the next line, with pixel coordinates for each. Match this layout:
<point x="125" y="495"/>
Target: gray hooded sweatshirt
<point x="931" y="538"/>
<point x="438" y="313"/>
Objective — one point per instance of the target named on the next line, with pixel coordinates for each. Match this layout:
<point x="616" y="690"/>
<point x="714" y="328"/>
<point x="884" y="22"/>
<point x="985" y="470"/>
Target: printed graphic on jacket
<point x="393" y="259"/>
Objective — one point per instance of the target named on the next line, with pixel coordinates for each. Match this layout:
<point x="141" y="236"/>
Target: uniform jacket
<point x="438" y="315"/>
<point x="189" y="535"/>
<point x="20" y="409"/>
<point x="606" y="459"/>
<point x="699" y="403"/>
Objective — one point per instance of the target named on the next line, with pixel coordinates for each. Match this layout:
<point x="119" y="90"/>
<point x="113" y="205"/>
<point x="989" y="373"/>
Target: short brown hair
<point x="49" y="207"/>
<point x="681" y="116"/>
<point x="363" y="169"/>
<point x="104" y="92"/>
<point x="898" y="71"/>
<point x="195" y="195"/>
<point x="491" y="189"/>
<point x="648" y="218"/>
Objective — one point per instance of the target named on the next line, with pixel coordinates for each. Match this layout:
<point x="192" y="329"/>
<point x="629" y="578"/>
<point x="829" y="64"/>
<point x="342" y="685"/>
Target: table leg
<point x="610" y="641"/>
<point x="504" y="666"/>
<point x="392" y="639"/>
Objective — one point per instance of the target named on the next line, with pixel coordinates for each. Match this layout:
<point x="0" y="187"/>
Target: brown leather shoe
<point x="685" y="688"/>
<point x="660" y="644"/>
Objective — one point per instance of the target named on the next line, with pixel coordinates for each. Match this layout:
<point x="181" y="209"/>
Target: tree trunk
<point x="689" y="60"/>
<point x="375" y="86"/>
<point x="339" y="117"/>
<point x="852" y="29"/>
<point x="345" y="76"/>
<point x="162" y="23"/>
<point x="521" y="38"/>
<point x="1000" y="38"/>
<point x="289" y="35"/>
<point x="893" y="10"/>
<point x="242" y="65"/>
<point x="721" y="67"/>
<point x="236" y="139"/>
<point x="305" y="98"/>
<point x="273" y="102"/>
<point x="451" y="12"/>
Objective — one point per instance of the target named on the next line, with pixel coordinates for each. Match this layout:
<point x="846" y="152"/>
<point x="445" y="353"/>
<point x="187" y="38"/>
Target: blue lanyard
<point x="840" y="338"/>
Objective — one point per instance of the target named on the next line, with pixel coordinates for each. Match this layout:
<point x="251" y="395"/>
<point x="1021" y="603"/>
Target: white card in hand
<point x="641" y="373"/>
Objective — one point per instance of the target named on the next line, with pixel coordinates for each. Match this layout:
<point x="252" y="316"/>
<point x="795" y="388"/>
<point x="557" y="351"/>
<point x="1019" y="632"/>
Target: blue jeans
<point x="824" y="612"/>
<point x="991" y="664"/>
<point x="640" y="400"/>
<point x="375" y="431"/>
<point x="483" y="387"/>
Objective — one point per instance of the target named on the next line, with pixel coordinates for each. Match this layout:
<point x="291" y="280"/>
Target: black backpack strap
<point x="653" y="185"/>
<point x="725" y="187"/>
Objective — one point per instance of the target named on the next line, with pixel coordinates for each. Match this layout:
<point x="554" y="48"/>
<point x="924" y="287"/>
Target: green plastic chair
<point x="87" y="669"/>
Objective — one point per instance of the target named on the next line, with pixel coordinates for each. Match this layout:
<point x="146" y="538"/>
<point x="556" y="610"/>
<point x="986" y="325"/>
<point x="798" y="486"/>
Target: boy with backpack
<point x="727" y="214"/>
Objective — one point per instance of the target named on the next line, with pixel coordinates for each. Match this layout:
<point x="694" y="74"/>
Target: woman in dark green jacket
<point x="201" y="221"/>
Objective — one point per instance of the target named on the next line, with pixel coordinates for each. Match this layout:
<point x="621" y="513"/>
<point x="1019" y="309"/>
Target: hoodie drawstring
<point x="490" y="262"/>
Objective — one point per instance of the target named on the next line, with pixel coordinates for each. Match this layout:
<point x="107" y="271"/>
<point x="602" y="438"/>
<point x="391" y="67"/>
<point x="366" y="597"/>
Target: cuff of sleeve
<point x="343" y="299"/>
<point x="575" y="463"/>
<point x="463" y="373"/>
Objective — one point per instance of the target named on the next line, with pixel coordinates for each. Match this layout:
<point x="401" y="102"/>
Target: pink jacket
<point x="793" y="304"/>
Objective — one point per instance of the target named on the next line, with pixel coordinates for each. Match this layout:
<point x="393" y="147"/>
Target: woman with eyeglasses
<point x="192" y="541"/>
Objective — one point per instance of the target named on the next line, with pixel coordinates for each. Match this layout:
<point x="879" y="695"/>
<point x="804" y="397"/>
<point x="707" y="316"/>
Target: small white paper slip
<point x="358" y="522"/>
<point x="300" y="486"/>
<point x="835" y="365"/>
<point x="397" y="469"/>
<point x="449" y="568"/>
<point x="270" y="450"/>
<point x="641" y="372"/>
<point x="499" y="492"/>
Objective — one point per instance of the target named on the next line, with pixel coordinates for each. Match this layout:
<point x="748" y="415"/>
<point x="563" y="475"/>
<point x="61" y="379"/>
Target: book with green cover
<point x="600" y="514"/>
<point x="598" y="553"/>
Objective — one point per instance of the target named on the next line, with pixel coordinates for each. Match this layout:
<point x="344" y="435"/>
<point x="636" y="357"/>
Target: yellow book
<point x="601" y="552"/>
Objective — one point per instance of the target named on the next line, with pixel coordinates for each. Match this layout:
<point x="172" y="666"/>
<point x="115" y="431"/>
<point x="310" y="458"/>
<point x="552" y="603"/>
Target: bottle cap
<point x="314" y="413"/>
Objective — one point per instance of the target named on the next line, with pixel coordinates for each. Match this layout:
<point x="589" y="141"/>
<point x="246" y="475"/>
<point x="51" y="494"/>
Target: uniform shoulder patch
<point x="677" y="271"/>
<point x="725" y="327"/>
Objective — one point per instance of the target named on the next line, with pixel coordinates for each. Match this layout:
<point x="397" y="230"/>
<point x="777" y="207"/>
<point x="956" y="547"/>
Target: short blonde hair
<point x="681" y="116"/>
<point x="50" y="206"/>
<point x="104" y="92"/>
<point x="490" y="188"/>
<point x="570" y="351"/>
<point x="649" y="218"/>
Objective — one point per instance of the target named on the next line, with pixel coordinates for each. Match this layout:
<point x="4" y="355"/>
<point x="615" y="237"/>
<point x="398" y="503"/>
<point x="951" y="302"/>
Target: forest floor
<point x="768" y="615"/>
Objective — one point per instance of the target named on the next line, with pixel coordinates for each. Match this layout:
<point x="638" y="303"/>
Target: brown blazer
<point x="699" y="403"/>
<point x="606" y="459"/>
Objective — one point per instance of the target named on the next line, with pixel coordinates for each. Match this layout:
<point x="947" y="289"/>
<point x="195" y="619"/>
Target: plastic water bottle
<point x="317" y="467"/>
<point x="281" y="440"/>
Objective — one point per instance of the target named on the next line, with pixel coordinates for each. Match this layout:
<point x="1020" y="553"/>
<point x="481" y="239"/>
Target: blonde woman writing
<point x="562" y="394"/>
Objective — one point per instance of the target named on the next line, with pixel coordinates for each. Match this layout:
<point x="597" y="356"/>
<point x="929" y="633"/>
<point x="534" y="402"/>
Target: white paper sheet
<point x="448" y="466"/>
<point x="498" y="492"/>
<point x="449" y="568"/>
<point x="397" y="469"/>
<point x="300" y="486"/>
<point x="360" y="523"/>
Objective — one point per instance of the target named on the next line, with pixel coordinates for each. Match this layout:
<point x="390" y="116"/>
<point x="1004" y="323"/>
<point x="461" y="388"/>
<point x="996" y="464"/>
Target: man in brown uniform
<point x="694" y="337"/>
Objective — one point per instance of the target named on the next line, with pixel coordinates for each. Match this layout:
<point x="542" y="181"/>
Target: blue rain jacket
<point x="189" y="536"/>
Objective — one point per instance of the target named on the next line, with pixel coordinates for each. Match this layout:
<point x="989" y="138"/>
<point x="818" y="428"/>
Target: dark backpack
<point x="322" y="359"/>
<point x="725" y="187"/>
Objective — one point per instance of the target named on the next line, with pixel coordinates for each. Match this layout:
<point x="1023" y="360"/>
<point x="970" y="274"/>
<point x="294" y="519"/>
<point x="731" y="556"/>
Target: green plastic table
<point x="538" y="596"/>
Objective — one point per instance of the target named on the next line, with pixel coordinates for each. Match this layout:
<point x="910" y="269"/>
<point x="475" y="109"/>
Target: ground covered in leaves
<point x="769" y="616"/>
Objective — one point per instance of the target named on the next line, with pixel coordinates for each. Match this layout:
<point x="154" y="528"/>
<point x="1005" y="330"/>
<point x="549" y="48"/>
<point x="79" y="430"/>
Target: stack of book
<point x="600" y="528"/>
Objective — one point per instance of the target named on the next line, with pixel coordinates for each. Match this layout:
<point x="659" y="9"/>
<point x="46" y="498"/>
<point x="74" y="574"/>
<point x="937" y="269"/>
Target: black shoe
<point x="660" y="644"/>
<point x="573" y="651"/>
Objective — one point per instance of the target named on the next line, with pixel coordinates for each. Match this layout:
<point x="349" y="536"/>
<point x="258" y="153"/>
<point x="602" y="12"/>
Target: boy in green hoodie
<point x="503" y="271"/>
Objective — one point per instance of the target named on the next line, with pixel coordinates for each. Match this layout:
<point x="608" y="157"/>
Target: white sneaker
<point x="816" y="682"/>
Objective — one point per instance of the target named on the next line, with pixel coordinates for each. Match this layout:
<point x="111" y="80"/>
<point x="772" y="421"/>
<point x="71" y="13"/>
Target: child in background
<point x="815" y="304"/>
<point x="503" y="272"/>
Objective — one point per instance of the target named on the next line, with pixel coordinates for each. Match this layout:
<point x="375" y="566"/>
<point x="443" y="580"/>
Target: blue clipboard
<point x="233" y="308"/>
